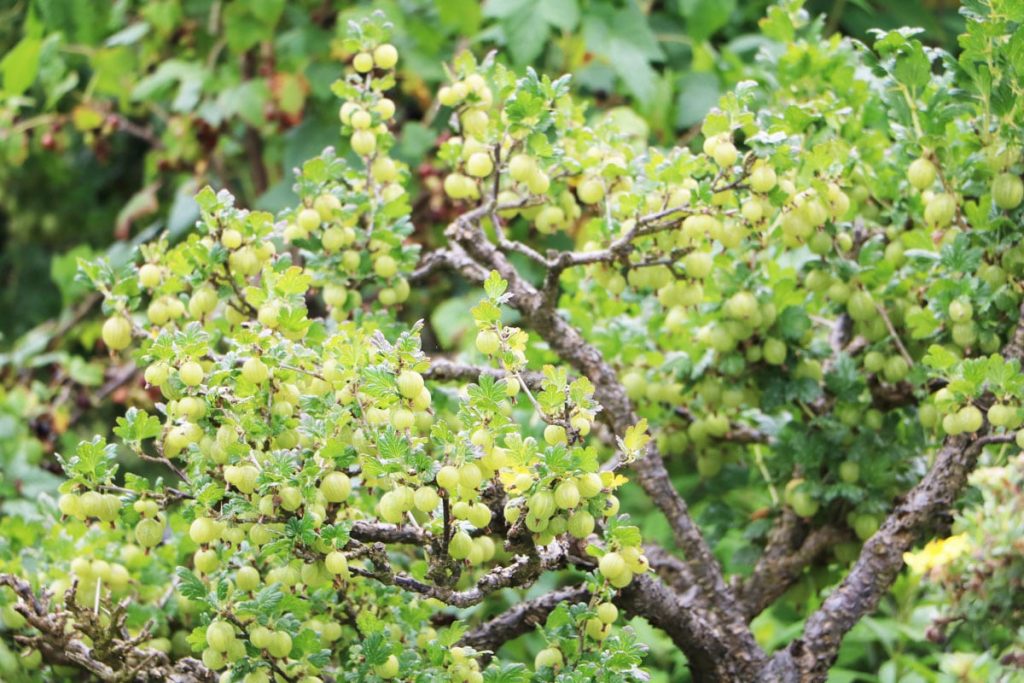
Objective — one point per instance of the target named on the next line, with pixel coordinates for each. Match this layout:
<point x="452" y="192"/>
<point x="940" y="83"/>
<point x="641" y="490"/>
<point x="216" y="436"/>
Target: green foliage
<point x="801" y="313"/>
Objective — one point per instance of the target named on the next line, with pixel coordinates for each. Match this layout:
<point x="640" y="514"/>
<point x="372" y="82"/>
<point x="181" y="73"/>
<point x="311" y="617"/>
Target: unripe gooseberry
<point x="567" y="495"/>
<point x="921" y="173"/>
<point x="425" y="499"/>
<point x="362" y="62"/>
<point x="970" y="419"/>
<point x="470" y="475"/>
<point x="607" y="612"/>
<point x="460" y="545"/>
<point x="724" y="153"/>
<point x="385" y="56"/>
<point x="521" y="167"/>
<point x="479" y="165"/>
<point x="960" y="310"/>
<point x="255" y="371"/>
<point x="550" y="657"/>
<point x="555" y="434"/>
<point x="762" y="178"/>
<point x="336" y="487"/>
<point x="150" y="275"/>
<point x="190" y="373"/>
<point x="220" y="635"/>
<point x="149" y="532"/>
<point x="385" y="266"/>
<point x="612" y="565"/>
<point x="247" y="578"/>
<point x="1007" y="191"/>
<point x="157" y="374"/>
<point x="580" y="524"/>
<point x="308" y="220"/>
<point x="940" y="210"/>
<point x="448" y="477"/>
<point x="204" y="530"/>
<point x="363" y="142"/>
<point x="1001" y="415"/>
<point x="117" y="333"/>
<point x="590" y="191"/>
<point x="488" y="342"/>
<point x="280" y="644"/>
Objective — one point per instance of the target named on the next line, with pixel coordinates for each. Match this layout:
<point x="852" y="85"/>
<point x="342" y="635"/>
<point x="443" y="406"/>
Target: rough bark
<point x="521" y="618"/>
<point x="790" y="549"/>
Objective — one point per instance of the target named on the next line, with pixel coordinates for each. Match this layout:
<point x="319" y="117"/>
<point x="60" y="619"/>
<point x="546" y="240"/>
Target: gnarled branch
<point x="521" y="618"/>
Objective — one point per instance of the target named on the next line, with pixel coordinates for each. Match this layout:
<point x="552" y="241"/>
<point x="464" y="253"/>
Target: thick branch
<point x="565" y="340"/>
<point x="452" y="258"/>
<point x="388" y="533"/>
<point x="791" y="547"/>
<point x="710" y="646"/>
<point x="881" y="559"/>
<point x="521" y="618"/>
<point x="520" y="573"/>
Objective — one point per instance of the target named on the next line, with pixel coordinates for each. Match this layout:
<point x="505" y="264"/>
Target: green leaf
<point x="940" y="358"/>
<point x="912" y="66"/>
<point x="793" y="323"/>
<point x="137" y="425"/>
<point x="190" y="585"/>
<point x="562" y="14"/>
<point x="376" y="649"/>
<point x="207" y="199"/>
<point x="705" y="17"/>
<point x="507" y="672"/>
<point x="295" y="280"/>
<point x="627" y="536"/>
<point x="494" y="285"/>
<point x="698" y="93"/>
<point x="20" y="66"/>
<point x="636" y="437"/>
<point x="462" y="15"/>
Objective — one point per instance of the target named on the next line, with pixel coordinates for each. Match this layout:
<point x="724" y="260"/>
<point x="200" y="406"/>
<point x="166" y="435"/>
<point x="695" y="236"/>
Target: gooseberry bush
<point x="820" y="305"/>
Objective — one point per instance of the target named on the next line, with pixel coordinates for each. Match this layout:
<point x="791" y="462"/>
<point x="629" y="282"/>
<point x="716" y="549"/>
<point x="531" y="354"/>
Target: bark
<point x="442" y="369"/>
<point x="810" y="657"/>
<point x="521" y="618"/>
<point x="791" y="548"/>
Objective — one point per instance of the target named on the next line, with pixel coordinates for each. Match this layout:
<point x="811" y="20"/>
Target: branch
<point x="369" y="532"/>
<point x="521" y="618"/>
<point x="710" y="645"/>
<point x="115" y="656"/>
<point x="444" y="370"/>
<point x="520" y="573"/>
<point x="881" y="558"/>
<point x="451" y="258"/>
<point x="566" y="341"/>
<point x="791" y="547"/>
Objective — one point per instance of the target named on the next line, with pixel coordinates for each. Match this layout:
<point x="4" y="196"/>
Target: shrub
<point x="820" y="308"/>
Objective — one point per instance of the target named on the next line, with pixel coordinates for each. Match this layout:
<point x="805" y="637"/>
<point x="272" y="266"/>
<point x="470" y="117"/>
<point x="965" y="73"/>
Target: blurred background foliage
<point x="113" y="114"/>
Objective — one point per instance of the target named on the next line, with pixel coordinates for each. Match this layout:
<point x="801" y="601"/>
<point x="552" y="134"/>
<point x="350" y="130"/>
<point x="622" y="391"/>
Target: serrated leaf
<point x="137" y="425"/>
<point x="940" y="358"/>
<point x="190" y="585"/>
<point x="494" y="285"/>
